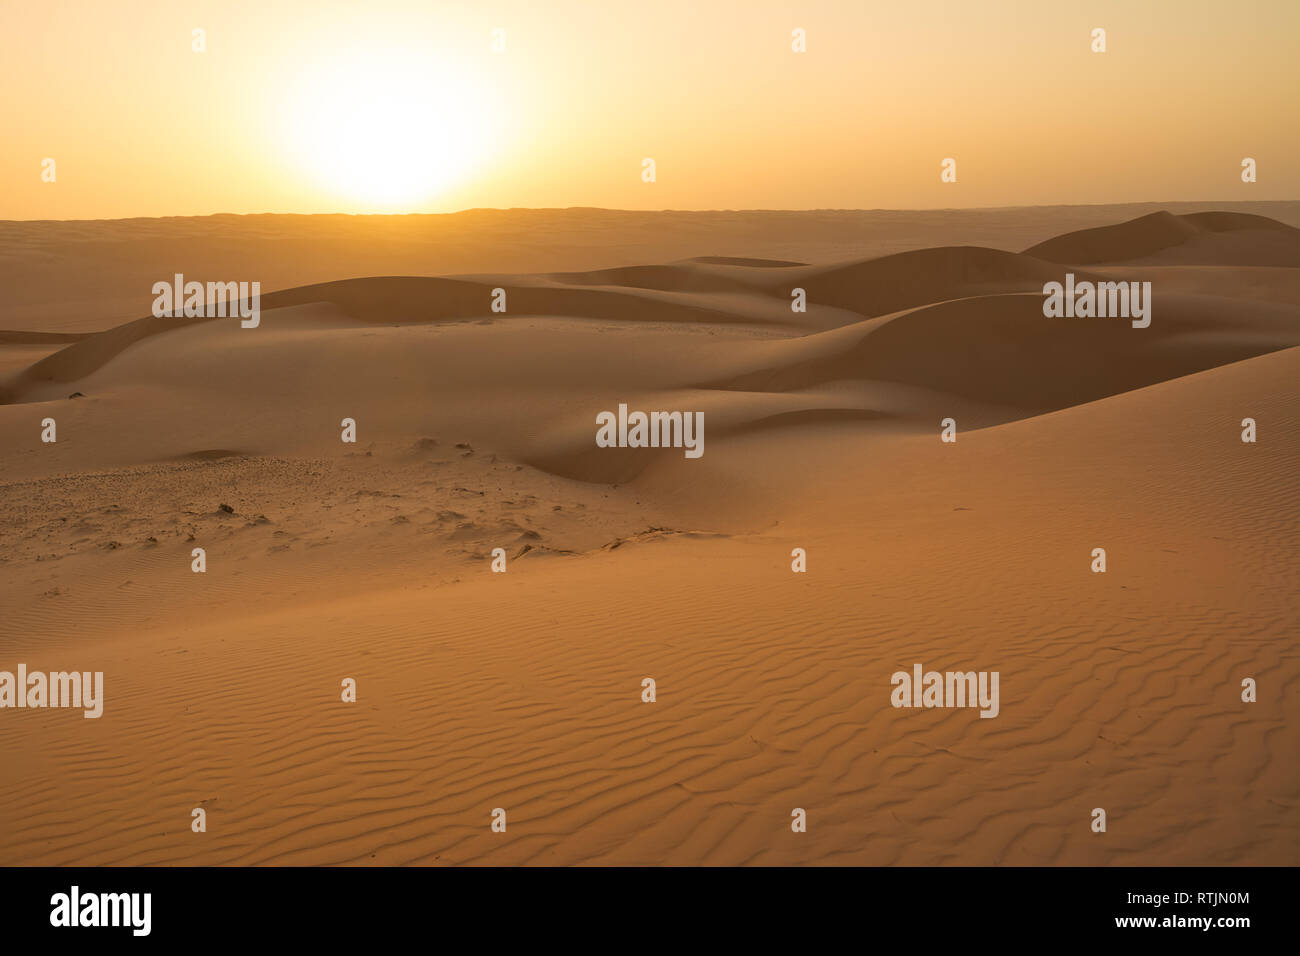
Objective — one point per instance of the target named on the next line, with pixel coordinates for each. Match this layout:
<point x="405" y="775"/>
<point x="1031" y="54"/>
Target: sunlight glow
<point x="390" y="132"/>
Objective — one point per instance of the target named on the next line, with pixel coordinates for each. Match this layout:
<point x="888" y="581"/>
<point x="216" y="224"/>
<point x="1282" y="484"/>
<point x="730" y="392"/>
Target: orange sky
<point x="403" y="105"/>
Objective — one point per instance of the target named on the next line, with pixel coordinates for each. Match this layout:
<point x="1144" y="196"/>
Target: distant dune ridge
<point x="81" y="276"/>
<point x="1207" y="238"/>
<point x="880" y="320"/>
<point x="476" y="430"/>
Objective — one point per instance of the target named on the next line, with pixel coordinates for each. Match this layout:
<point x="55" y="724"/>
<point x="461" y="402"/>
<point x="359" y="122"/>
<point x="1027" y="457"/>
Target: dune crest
<point x="1208" y="238"/>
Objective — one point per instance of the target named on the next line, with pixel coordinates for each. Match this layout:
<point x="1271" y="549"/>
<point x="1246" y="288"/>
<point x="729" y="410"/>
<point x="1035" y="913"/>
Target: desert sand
<point x="522" y="690"/>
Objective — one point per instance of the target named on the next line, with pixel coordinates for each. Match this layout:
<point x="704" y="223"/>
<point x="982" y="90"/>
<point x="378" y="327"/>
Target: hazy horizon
<point x="615" y="209"/>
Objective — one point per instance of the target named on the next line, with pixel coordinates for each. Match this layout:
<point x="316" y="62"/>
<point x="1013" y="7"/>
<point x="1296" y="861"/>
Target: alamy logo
<point x="215" y="300"/>
<point x="653" y="430"/>
<point x="103" y="909"/>
<point x="55" y="689"/>
<point x="953" y="689"/>
<point x="1116" y="300"/>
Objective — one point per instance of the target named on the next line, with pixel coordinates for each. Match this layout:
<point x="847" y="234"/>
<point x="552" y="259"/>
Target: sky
<point x="399" y="106"/>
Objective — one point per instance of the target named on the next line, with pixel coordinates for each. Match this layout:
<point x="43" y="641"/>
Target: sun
<point x="390" y="132"/>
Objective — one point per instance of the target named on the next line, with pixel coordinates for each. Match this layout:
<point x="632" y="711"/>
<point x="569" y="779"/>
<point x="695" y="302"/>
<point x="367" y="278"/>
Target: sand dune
<point x="522" y="690"/>
<point x="1001" y="350"/>
<point x="1210" y="238"/>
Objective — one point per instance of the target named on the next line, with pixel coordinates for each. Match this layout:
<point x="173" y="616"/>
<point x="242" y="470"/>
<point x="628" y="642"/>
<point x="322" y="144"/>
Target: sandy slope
<point x="522" y="690"/>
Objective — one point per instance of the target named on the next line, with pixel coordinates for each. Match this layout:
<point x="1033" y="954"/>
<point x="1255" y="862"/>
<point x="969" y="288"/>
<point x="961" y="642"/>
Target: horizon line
<point x="609" y="209"/>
